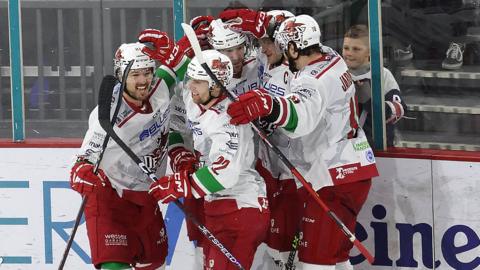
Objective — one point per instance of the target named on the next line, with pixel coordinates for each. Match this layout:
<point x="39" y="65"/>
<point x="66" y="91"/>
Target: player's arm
<point x="221" y="174"/>
<point x="82" y="176"/>
<point x="297" y="113"/>
<point x="163" y="49"/>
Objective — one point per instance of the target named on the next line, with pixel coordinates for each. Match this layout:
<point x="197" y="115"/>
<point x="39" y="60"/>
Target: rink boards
<point x="420" y="214"/>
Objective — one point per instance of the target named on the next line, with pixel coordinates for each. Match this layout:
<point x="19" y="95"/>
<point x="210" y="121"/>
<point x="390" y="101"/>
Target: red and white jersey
<point x="249" y="79"/>
<point x="226" y="154"/>
<point x="276" y="81"/>
<point x="144" y="131"/>
<point x="335" y="148"/>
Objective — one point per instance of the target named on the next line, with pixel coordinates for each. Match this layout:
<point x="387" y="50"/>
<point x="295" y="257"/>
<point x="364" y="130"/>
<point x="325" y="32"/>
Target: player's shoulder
<point x="220" y="107"/>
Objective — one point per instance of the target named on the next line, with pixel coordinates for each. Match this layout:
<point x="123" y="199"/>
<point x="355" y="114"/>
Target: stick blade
<point x="105" y="97"/>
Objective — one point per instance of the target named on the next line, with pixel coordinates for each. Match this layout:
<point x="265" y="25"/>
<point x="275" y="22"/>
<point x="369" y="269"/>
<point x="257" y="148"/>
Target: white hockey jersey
<point x="249" y="79"/>
<point x="323" y="115"/>
<point x="226" y="155"/>
<point x="276" y="81"/>
<point x="144" y="131"/>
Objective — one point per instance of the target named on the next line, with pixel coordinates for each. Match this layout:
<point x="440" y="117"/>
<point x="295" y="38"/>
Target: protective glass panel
<point x="432" y="48"/>
<point x="68" y="46"/>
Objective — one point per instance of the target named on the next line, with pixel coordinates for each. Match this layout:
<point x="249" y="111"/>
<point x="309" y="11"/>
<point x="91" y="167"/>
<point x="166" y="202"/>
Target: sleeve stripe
<point x="206" y="181"/>
<point x="166" y="74"/>
<point x="292" y="120"/>
<point x="181" y="68"/>
<point x="283" y="112"/>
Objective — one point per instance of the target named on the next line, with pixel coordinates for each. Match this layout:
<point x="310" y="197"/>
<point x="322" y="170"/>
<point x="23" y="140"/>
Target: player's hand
<point x="182" y="160"/>
<point x="250" y="106"/>
<point x="246" y="20"/>
<point x="200" y="25"/>
<point x="84" y="181"/>
<point x="202" y="22"/>
<point x="171" y="187"/>
<point x="164" y="49"/>
<point x="185" y="46"/>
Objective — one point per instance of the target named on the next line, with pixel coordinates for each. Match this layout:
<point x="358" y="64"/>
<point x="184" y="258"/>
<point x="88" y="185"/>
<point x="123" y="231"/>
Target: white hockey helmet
<point x="221" y="37"/>
<point x="277" y="17"/>
<point x="219" y="63"/>
<point x="278" y="12"/>
<point x="303" y="30"/>
<point x="127" y="52"/>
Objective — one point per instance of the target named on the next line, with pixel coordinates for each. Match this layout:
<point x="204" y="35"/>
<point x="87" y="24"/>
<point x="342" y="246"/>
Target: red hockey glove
<point x="186" y="47"/>
<point x="84" y="181"/>
<point x="201" y="22"/>
<point x="246" y="20"/>
<point x="172" y="187"/>
<point x="182" y="160"/>
<point x="200" y="25"/>
<point x="250" y="106"/>
<point x="165" y="50"/>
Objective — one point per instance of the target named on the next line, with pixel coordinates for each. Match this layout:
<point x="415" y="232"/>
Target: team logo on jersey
<point x="369" y="155"/>
<point x="211" y="263"/>
<point x="154" y="128"/>
<point x="294" y="99"/>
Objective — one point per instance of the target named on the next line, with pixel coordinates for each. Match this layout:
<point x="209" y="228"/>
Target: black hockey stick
<point x="108" y="83"/>
<point x="198" y="53"/>
<point x="103" y="115"/>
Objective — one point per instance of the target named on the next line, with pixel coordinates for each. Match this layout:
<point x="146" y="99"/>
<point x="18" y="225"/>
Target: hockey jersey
<point x="276" y="81"/>
<point x="323" y="115"/>
<point x="249" y="79"/>
<point x="226" y="155"/>
<point x="145" y="131"/>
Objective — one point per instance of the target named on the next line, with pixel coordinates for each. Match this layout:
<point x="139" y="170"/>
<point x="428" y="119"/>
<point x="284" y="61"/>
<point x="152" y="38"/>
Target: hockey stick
<point x="108" y="83"/>
<point x="103" y="115"/>
<point x="198" y="53"/>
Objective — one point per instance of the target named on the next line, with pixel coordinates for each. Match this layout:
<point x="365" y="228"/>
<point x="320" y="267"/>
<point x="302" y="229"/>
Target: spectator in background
<point x="356" y="52"/>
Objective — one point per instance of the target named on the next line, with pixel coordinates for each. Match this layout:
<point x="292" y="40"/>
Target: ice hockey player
<point x="233" y="44"/>
<point x="321" y="111"/>
<point x="180" y="156"/>
<point x="356" y="52"/>
<point x="234" y="192"/>
<point x="284" y="200"/>
<point x="124" y="223"/>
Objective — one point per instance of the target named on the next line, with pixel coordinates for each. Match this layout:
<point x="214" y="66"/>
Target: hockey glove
<point x="84" y="181"/>
<point x="172" y="187"/>
<point x="182" y="160"/>
<point x="250" y="106"/>
<point x="201" y="24"/>
<point x="164" y="49"/>
<point x="246" y="20"/>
